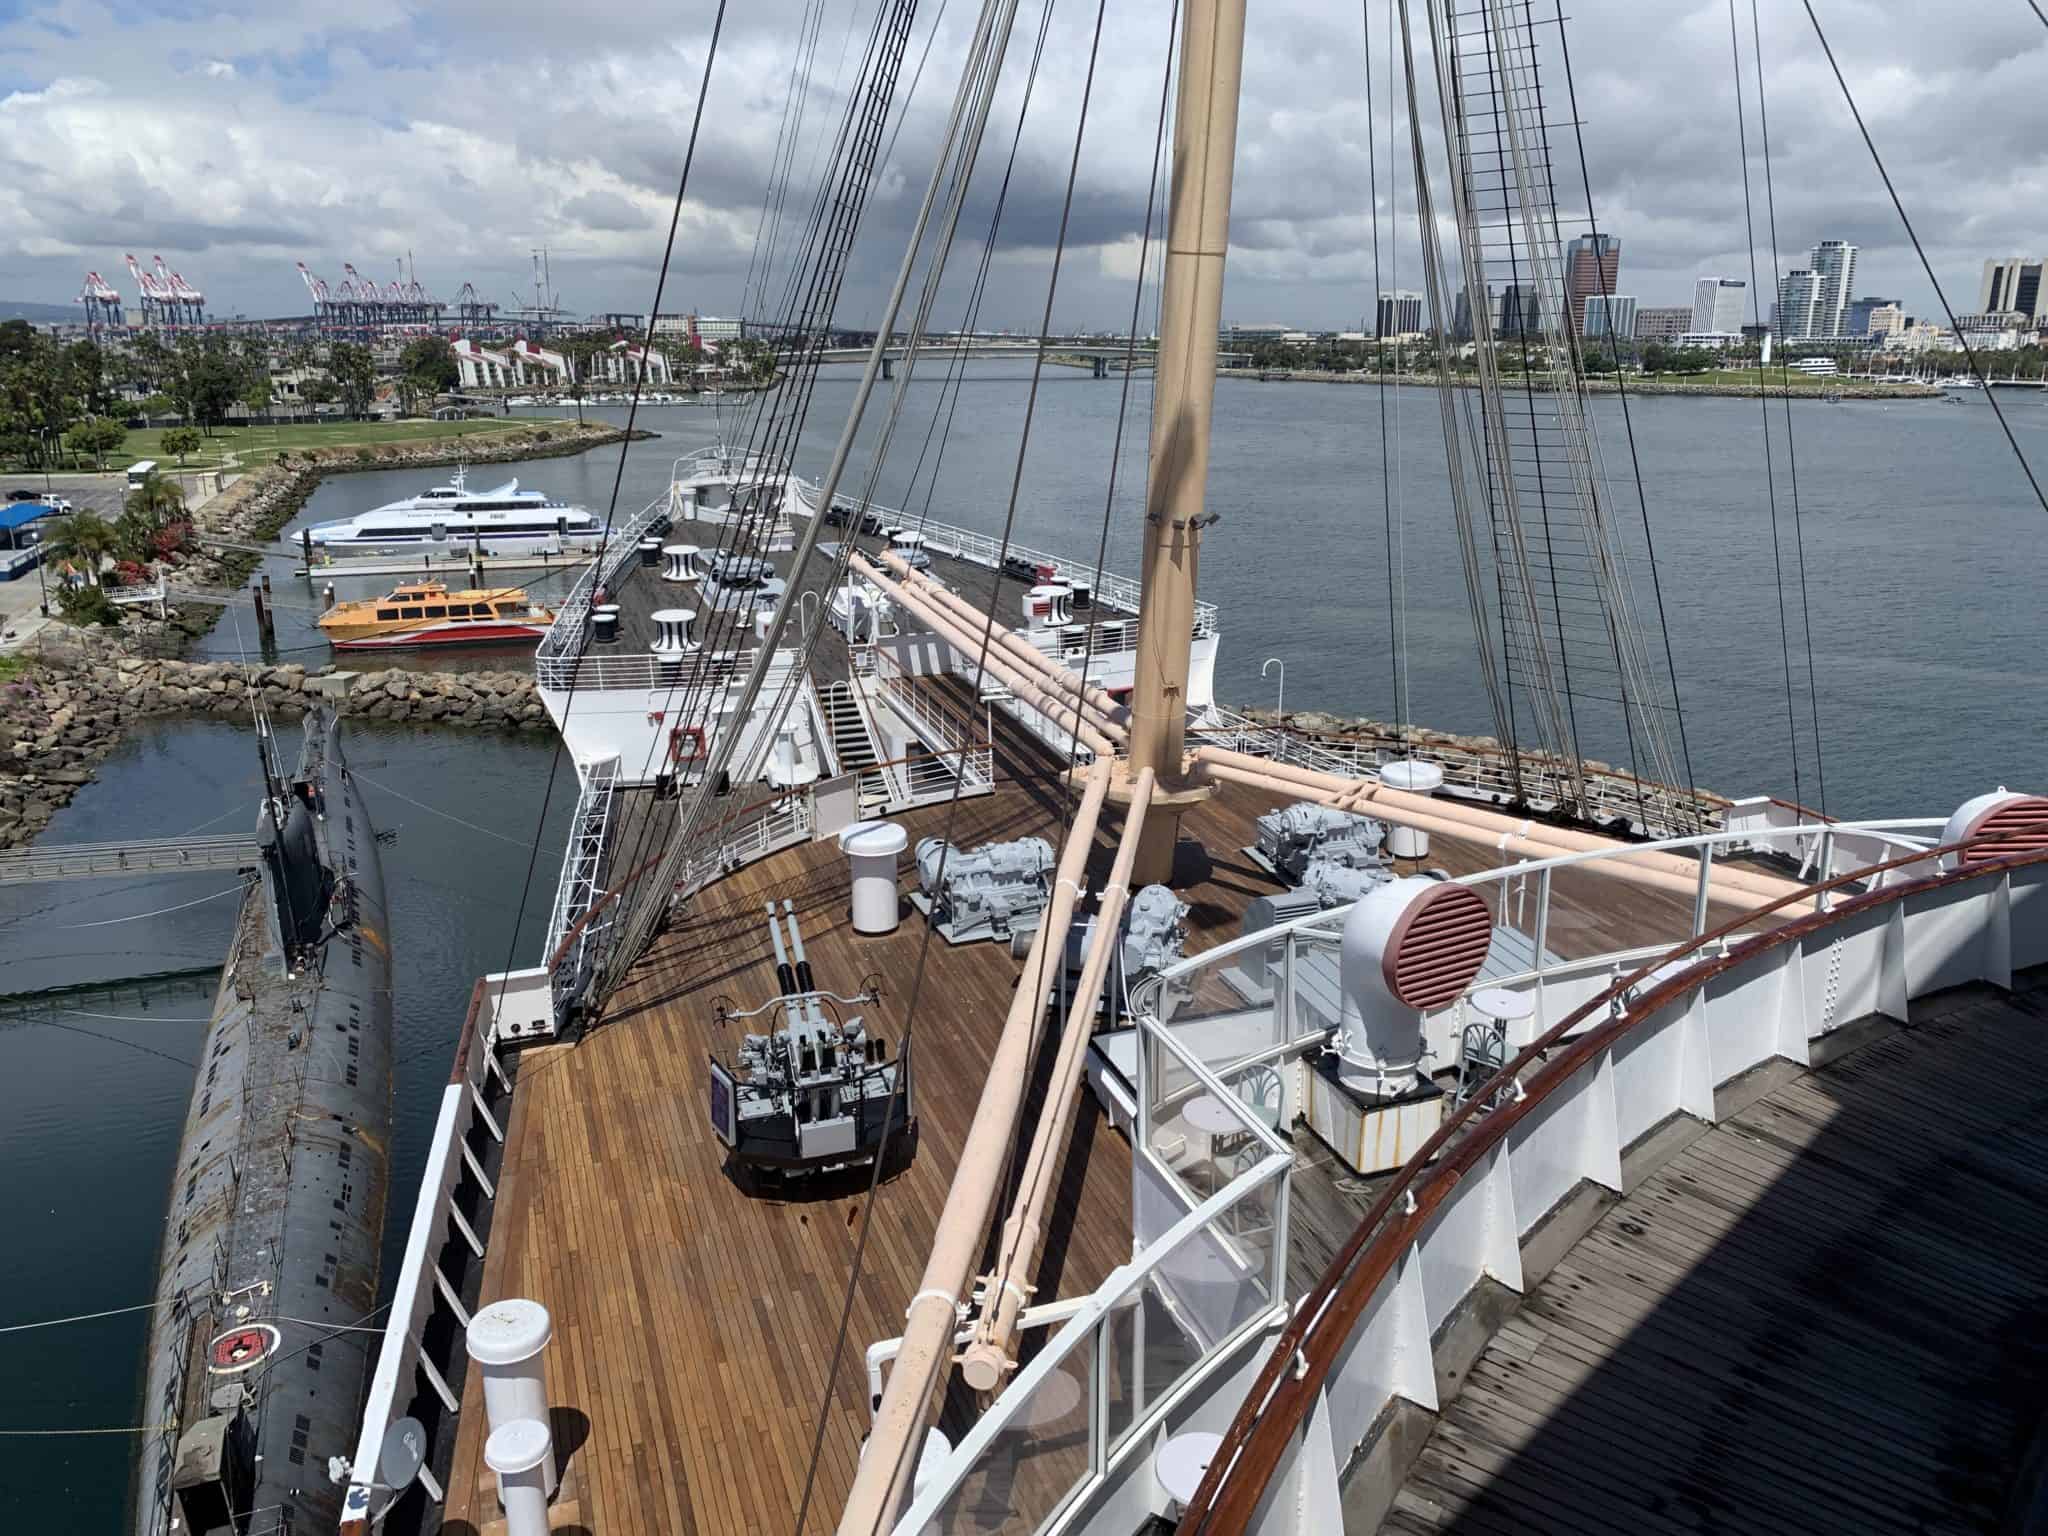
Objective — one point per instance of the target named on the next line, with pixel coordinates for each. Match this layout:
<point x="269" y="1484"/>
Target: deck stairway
<point x="853" y="744"/>
<point x="582" y="885"/>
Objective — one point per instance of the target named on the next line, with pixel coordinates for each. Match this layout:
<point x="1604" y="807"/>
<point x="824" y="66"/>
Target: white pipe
<point x="883" y="1478"/>
<point x="995" y="1334"/>
<point x="1063" y="712"/>
<point x="1476" y="823"/>
<point x="1509" y="844"/>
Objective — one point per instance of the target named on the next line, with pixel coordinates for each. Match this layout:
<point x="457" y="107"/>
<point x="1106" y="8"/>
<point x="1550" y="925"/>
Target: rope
<point x="436" y="811"/>
<point x="1763" y="399"/>
<point x="128" y="1018"/>
<point x="1791" y="444"/>
<point x="84" y="1317"/>
<point x="147" y="1050"/>
<point x="1870" y="144"/>
<point x="1372" y="165"/>
<point x="108" y="922"/>
<point x="118" y="1429"/>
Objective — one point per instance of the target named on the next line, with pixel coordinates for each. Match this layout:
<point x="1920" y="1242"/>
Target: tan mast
<point x="1184" y="393"/>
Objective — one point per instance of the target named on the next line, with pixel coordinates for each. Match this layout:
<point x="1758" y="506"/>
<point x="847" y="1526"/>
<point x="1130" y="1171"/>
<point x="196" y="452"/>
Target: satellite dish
<point x="402" y="1454"/>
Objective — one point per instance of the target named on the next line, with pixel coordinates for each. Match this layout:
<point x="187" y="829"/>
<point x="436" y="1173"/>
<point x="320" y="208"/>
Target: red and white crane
<point x="102" y="303"/>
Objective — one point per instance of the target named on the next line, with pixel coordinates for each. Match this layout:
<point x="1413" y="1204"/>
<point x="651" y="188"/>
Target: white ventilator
<point x="1410" y="946"/>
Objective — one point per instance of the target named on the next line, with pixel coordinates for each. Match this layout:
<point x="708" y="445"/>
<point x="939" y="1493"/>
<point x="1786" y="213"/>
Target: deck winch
<point x="1293" y="835"/>
<point x="990" y="892"/>
<point x="815" y="1093"/>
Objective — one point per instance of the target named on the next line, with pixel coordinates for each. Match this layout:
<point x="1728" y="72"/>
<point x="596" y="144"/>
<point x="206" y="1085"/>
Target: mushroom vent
<point x="1438" y="945"/>
<point x="2002" y="824"/>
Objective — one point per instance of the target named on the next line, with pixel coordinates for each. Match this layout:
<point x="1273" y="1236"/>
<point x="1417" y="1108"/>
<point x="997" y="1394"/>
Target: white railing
<point x="1183" y="1053"/>
<point x="947" y="732"/>
<point x="409" y="1381"/>
<point x="642" y="670"/>
<point x="1072" y="644"/>
<point x="981" y="549"/>
<point x="782" y="825"/>
<point x="1713" y="1016"/>
<point x="577" y="891"/>
<point x="1210" y="1283"/>
<point x="1476" y="773"/>
<point x="568" y="634"/>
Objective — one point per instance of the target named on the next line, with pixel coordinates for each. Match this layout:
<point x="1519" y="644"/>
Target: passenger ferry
<point x="426" y="613"/>
<point x="505" y="521"/>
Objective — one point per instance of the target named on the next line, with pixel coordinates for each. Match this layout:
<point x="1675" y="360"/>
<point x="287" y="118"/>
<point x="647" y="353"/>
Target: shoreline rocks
<point x="61" y="718"/>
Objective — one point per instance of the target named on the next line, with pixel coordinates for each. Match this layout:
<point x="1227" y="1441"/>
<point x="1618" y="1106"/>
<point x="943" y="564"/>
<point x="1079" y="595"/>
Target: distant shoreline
<point x="1847" y="389"/>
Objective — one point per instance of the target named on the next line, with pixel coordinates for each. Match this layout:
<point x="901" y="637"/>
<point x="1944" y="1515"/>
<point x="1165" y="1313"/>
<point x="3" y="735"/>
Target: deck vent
<point x="1410" y="946"/>
<point x="2017" y="824"/>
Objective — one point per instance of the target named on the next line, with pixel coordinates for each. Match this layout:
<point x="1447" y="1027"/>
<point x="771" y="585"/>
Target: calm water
<point x="1921" y="543"/>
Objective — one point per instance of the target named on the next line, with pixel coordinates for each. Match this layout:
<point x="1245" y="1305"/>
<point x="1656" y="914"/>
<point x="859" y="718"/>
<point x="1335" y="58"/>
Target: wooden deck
<point x="1821" y="1316"/>
<point x="695" y="1317"/>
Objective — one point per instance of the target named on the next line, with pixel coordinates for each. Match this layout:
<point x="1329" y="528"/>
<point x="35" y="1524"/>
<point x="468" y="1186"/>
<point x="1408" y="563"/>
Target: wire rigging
<point x="1785" y="393"/>
<point x="1919" y="250"/>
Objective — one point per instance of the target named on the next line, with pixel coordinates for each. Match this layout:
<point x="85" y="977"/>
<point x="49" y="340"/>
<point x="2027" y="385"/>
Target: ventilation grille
<point x="2016" y="827"/>
<point x="1437" y="947"/>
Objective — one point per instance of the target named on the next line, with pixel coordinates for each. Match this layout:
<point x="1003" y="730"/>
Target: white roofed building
<point x="519" y="365"/>
<point x="624" y="361"/>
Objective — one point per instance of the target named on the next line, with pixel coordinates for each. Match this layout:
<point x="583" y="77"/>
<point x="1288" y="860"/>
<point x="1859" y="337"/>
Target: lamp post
<point x="1280" y="700"/>
<point x="42" y="581"/>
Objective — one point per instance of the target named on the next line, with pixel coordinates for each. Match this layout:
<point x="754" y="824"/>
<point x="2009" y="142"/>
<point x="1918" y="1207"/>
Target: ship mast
<point x="1184" y="394"/>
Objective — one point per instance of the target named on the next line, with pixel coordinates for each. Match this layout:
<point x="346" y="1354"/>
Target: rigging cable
<point x="1372" y="164"/>
<point x="1763" y="398"/>
<point x="1990" y="395"/>
<point x="1628" y="422"/>
<point x="981" y="664"/>
<point x="618" y="476"/>
<point x="1785" y="390"/>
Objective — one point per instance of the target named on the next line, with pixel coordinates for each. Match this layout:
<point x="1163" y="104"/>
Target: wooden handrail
<point x="1287" y="1386"/>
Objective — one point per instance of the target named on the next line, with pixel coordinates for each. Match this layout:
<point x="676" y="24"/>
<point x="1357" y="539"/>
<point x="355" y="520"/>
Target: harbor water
<point x="1918" y="533"/>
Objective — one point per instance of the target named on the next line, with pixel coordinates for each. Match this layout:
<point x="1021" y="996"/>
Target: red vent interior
<point x="1437" y="947"/>
<point x="2018" y="826"/>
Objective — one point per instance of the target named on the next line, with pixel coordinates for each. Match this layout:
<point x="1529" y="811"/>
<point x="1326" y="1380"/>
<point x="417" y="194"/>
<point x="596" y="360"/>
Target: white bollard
<point x="521" y="1453"/>
<point x="1418" y="778"/>
<point x="871" y="849"/>
<point x="508" y="1339"/>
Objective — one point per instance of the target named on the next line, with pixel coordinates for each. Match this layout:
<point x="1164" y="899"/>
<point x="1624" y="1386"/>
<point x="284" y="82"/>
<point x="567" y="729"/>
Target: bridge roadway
<point x="1822" y="1315"/>
<point x="142" y="856"/>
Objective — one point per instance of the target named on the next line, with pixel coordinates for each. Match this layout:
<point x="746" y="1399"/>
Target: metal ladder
<point x="853" y="744"/>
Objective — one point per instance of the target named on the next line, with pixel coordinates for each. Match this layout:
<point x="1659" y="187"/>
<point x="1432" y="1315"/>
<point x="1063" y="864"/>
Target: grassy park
<point x="256" y="445"/>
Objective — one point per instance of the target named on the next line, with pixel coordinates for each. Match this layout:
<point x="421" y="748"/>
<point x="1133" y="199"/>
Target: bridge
<point x="1103" y="357"/>
<point x="142" y="856"/>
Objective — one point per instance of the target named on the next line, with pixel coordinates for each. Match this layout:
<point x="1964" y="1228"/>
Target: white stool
<point x="672" y="631"/>
<point x="682" y="562"/>
<point x="523" y="1455"/>
<point x="508" y="1340"/>
<point x="871" y="848"/>
<point x="1417" y="778"/>
<point x="1180" y="1463"/>
<point x="1506" y="1009"/>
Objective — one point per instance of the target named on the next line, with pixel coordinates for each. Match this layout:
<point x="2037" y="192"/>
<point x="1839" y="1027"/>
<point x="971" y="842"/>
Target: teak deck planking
<point x="1822" y="1316"/>
<point x="695" y="1318"/>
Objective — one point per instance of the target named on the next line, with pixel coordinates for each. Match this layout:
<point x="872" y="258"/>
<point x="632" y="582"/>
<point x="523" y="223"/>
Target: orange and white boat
<point x="426" y="613"/>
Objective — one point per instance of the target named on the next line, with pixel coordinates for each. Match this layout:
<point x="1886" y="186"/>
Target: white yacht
<point x="504" y="520"/>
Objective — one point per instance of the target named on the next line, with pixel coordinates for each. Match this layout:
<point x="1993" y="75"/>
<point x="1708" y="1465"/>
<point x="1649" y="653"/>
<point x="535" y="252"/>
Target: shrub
<point x="87" y="605"/>
<point x="284" y="456"/>
<point x="130" y="573"/>
<point x="365" y="455"/>
<point x="543" y="436"/>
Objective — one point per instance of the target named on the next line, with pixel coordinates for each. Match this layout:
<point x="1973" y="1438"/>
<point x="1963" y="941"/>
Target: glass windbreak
<point x="1036" y="1461"/>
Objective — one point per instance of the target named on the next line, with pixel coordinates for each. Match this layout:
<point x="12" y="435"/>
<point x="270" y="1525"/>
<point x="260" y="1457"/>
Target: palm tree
<point x="84" y="537"/>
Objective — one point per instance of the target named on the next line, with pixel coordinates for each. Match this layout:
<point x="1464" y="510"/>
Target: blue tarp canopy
<point x="19" y="514"/>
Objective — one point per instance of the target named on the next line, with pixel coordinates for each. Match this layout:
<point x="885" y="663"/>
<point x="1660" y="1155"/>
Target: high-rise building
<point x="1400" y="314"/>
<point x="1461" y="314"/>
<point x="1592" y="264"/>
<point x="1856" y="319"/>
<point x="2012" y="285"/>
<point x="1834" y="276"/>
<point x="1883" y="319"/>
<point x="1793" y="318"/>
<point x="1717" y="305"/>
<point x="1610" y="314"/>
<point x="1663" y="322"/>
<point x="1521" y="313"/>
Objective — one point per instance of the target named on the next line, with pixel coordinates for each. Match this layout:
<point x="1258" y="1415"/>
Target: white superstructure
<point x="503" y="520"/>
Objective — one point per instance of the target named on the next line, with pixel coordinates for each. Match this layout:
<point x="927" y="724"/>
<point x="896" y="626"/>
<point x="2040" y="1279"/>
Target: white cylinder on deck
<point x="672" y="631"/>
<point x="1418" y="778"/>
<point x="681" y="562"/>
<point x="522" y="1454"/>
<point x="872" y="849"/>
<point x="508" y="1340"/>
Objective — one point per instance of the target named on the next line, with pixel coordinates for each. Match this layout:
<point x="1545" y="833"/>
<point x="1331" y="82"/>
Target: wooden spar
<point x="1184" y="392"/>
<point x="1107" y="712"/>
<point x="1364" y="795"/>
<point x="993" y="1349"/>
<point x="882" y="1480"/>
<point x="1033" y="688"/>
<point x="1509" y="844"/>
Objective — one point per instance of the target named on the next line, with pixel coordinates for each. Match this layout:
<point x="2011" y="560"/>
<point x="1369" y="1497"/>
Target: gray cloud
<point x="468" y="133"/>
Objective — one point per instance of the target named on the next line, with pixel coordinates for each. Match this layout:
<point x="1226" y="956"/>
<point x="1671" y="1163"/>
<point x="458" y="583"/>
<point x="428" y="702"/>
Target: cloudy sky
<point x="237" y="137"/>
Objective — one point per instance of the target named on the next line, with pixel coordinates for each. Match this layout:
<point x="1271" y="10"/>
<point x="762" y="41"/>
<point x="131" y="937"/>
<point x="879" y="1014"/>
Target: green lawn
<point x="256" y="445"/>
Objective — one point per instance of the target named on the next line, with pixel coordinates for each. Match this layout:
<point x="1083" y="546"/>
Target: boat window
<point x="438" y="611"/>
<point x="507" y="608"/>
<point x="387" y="613"/>
<point x="409" y="613"/>
<point x="458" y="610"/>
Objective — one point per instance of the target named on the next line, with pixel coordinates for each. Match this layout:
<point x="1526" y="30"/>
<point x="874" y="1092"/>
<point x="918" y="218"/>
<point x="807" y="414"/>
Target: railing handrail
<point x="1301" y="1358"/>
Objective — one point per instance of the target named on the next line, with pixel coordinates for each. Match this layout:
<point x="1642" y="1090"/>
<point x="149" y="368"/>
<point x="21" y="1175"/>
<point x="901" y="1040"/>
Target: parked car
<point x="21" y="494"/>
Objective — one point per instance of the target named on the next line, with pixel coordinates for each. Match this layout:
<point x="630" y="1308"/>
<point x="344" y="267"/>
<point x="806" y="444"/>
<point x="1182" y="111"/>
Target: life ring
<point x="690" y="735"/>
<point x="238" y="1349"/>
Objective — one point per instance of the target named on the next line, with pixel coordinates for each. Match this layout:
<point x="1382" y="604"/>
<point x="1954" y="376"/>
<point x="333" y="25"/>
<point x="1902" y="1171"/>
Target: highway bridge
<point x="1104" y="357"/>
